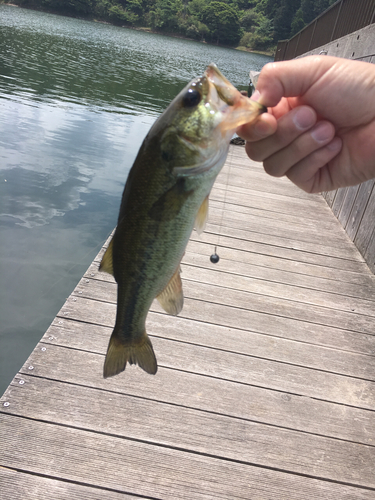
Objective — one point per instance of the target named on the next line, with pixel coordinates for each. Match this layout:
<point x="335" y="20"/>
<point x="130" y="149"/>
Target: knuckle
<point x="253" y="152"/>
<point x="270" y="169"/>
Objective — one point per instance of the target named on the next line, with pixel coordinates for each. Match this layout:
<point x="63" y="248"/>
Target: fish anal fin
<point x="139" y="353"/>
<point x="171" y="298"/>
<point x="202" y="216"/>
<point x="106" y="264"/>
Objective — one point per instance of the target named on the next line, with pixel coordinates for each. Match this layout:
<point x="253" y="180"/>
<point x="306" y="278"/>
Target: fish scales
<point x="165" y="196"/>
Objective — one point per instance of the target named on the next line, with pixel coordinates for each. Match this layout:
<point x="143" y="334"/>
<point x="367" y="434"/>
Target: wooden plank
<point x="330" y="197"/>
<point x="211" y="295"/>
<point x="340" y="296"/>
<point x="359" y="207"/>
<point x="264" y="200"/>
<point x="339" y="200"/>
<point x="78" y="308"/>
<point x="370" y="252"/>
<point x="347" y="205"/>
<point x="327" y="224"/>
<point x="245" y="342"/>
<point x="271" y="269"/>
<point x="331" y="300"/>
<point x="204" y="393"/>
<point x="276" y="274"/>
<point x="282" y="248"/>
<point x="193" y="431"/>
<point x="170" y="473"/>
<point x="365" y="231"/>
<point x="248" y="261"/>
<point x="285" y="240"/>
<point x="246" y="369"/>
<point x="278" y="228"/>
<point x="16" y="485"/>
<point x="234" y="176"/>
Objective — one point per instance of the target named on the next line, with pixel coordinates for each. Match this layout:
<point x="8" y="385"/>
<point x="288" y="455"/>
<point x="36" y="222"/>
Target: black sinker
<point x="214" y="258"/>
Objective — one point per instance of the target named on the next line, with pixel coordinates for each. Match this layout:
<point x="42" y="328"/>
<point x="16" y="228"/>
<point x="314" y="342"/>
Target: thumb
<point x="291" y="78"/>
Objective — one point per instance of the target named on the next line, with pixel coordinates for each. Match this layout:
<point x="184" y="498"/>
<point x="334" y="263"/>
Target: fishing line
<point x="215" y="257"/>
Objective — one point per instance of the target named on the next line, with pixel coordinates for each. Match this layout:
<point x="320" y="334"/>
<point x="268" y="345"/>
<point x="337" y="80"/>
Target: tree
<point x="166" y="15"/>
<point x="283" y="18"/>
<point x="249" y="20"/>
<point x="120" y="16"/>
<point x="297" y="23"/>
<point x="223" y="23"/>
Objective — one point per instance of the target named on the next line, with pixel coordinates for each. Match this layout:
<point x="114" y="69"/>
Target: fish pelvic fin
<point x="106" y="264"/>
<point x="171" y="298"/>
<point x="138" y="352"/>
<point x="202" y="216"/>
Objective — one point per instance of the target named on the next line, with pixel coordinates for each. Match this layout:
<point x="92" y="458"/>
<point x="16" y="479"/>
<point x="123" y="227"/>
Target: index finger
<point x="264" y="126"/>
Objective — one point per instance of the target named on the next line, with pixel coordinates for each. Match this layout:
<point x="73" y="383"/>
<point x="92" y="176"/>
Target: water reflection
<point x="76" y="100"/>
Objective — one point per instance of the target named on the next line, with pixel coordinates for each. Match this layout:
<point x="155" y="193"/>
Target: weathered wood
<point x="213" y="297"/>
<point x="330" y="197"/>
<point x="150" y="470"/>
<point x="294" y="220"/>
<point x="366" y="230"/>
<point x="338" y="298"/>
<point x="78" y="308"/>
<point x="359" y="208"/>
<point x="347" y="205"/>
<point x="250" y="370"/>
<point x="266" y="380"/>
<point x="204" y="393"/>
<point x="295" y="270"/>
<point x="16" y="485"/>
<point x="286" y="241"/>
<point x="278" y="274"/>
<point x="248" y="342"/>
<point x="277" y="228"/>
<point x="196" y="431"/>
<point x="338" y="201"/>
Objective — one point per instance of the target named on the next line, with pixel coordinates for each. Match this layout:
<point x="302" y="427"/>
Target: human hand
<point x="320" y="127"/>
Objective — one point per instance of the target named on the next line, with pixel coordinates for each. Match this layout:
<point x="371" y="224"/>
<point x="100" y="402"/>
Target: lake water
<point x="76" y="100"/>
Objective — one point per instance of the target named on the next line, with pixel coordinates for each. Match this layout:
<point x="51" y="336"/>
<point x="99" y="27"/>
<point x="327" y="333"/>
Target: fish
<point x="164" y="198"/>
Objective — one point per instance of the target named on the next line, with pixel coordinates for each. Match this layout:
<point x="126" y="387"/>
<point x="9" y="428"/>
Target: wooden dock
<point x="266" y="381"/>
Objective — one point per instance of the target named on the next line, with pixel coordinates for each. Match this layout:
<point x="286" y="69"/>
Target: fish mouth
<point x="237" y="108"/>
<point x="225" y="90"/>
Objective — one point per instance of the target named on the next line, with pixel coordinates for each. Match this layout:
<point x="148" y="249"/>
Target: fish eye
<point x="191" y="98"/>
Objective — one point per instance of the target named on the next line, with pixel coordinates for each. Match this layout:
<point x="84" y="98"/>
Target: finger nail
<point x="255" y="96"/>
<point x="335" y="144"/>
<point x="304" y="118"/>
<point x="322" y="132"/>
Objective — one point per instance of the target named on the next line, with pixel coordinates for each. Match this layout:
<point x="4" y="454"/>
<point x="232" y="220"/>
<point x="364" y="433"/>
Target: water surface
<point x="76" y="100"/>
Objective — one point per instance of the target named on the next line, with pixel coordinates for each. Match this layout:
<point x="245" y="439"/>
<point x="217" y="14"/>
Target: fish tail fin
<point x="138" y="352"/>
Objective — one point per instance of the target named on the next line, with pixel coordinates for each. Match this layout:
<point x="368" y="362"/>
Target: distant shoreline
<point x="140" y="28"/>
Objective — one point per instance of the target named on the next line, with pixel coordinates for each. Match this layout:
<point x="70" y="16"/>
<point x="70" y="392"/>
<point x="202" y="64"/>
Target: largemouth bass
<point x="165" y="196"/>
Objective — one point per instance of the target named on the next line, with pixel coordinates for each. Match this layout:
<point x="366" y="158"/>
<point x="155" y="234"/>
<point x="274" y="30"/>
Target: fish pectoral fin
<point x="139" y="353"/>
<point x="171" y="298"/>
<point x="170" y="203"/>
<point x="202" y="216"/>
<point x="106" y="264"/>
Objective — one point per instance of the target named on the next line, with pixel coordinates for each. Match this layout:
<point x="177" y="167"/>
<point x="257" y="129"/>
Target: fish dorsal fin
<point x="106" y="264"/>
<point x="171" y="298"/>
<point x="202" y="216"/>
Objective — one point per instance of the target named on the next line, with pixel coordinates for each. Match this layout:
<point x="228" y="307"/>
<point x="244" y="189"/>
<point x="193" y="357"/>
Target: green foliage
<point x="256" y="24"/>
<point x="297" y="23"/>
<point x="223" y="22"/>
<point x="118" y="15"/>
